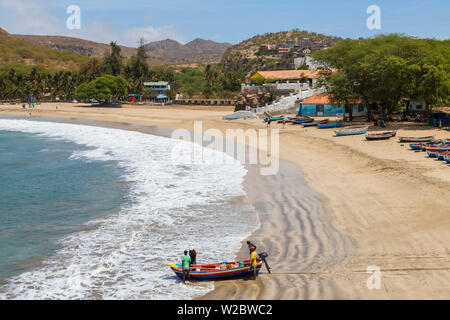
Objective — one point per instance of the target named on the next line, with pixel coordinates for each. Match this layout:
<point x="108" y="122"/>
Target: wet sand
<point x="381" y="204"/>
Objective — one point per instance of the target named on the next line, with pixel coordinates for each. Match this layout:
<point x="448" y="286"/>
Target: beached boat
<point x="216" y="270"/>
<point x="422" y="146"/>
<point x="416" y="139"/>
<point x="442" y="147"/>
<point x="440" y="155"/>
<point x="351" y="131"/>
<point x="447" y="158"/>
<point x="381" y="136"/>
<point x="336" y="124"/>
<point x="274" y="119"/>
<point x="315" y="123"/>
<point x="303" y="120"/>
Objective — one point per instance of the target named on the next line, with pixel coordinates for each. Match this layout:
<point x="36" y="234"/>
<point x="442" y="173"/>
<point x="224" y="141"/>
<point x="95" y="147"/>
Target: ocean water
<point x="89" y="212"/>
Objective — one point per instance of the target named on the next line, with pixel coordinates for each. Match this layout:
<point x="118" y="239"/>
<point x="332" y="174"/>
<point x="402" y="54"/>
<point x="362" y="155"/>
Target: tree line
<point x="387" y="71"/>
<point x="114" y="77"/>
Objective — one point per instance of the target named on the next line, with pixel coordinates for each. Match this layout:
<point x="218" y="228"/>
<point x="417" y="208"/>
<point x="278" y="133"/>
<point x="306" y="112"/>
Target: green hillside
<point x="18" y="52"/>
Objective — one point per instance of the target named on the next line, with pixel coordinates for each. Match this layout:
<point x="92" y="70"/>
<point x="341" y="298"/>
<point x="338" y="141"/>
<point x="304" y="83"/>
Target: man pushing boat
<point x="253" y="261"/>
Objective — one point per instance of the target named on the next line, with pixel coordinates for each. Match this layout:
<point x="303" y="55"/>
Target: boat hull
<point x="303" y="121"/>
<point x="416" y="139"/>
<point x="330" y="125"/>
<point x="197" y="273"/>
<point x="349" y="132"/>
<point x="274" y="119"/>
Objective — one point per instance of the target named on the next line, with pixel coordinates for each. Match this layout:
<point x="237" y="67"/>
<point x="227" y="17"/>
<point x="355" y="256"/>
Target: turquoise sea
<point x="45" y="195"/>
<point x="92" y="212"/>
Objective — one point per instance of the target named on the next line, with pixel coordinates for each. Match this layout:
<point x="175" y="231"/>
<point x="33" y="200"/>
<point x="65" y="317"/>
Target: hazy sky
<point x="222" y="20"/>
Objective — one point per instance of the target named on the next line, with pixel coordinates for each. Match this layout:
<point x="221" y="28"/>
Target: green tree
<point x="387" y="69"/>
<point x="103" y="88"/>
<point x="113" y="61"/>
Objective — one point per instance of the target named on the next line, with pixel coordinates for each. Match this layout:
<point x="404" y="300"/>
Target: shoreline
<point x="392" y="202"/>
<point x="289" y="173"/>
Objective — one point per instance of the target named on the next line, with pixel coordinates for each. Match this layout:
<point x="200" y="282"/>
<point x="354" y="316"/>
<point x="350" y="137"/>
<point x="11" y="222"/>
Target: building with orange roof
<point x="322" y="105"/>
<point x="285" y="75"/>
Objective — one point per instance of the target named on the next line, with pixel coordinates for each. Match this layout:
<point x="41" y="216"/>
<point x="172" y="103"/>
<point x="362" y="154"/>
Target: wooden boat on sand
<point x="416" y="139"/>
<point x="274" y="119"/>
<point x="351" y="131"/>
<point x="315" y="123"/>
<point x="440" y="155"/>
<point x="381" y="136"/>
<point x="303" y="120"/>
<point x="422" y="146"/>
<point x="336" y="124"/>
<point x="442" y="147"/>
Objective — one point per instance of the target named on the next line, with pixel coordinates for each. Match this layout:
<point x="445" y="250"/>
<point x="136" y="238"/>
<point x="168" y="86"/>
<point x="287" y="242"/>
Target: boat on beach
<point x="416" y="139"/>
<point x="303" y="120"/>
<point x="351" y="131"/>
<point x="336" y="124"/>
<point x="442" y="147"/>
<point x="381" y="136"/>
<point x="274" y="119"/>
<point x="440" y="155"/>
<point x="447" y="158"/>
<point x="315" y="123"/>
<point x="217" y="270"/>
<point x="424" y="145"/>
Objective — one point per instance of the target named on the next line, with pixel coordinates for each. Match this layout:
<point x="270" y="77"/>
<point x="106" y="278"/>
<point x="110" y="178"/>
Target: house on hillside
<point x="287" y="77"/>
<point x="321" y="105"/>
<point x="283" y="51"/>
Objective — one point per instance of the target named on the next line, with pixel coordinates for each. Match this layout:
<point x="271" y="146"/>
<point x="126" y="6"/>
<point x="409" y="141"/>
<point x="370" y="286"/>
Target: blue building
<point x="321" y="105"/>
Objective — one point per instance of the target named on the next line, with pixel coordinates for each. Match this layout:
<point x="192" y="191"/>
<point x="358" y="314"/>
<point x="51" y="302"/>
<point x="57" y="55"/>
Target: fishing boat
<point x="440" y="155"/>
<point x="422" y="146"/>
<point x="274" y="119"/>
<point x="315" y="123"/>
<point x="336" y="124"/>
<point x="442" y="147"/>
<point x="381" y="136"/>
<point x="447" y="158"/>
<point x="216" y="270"/>
<point x="416" y="139"/>
<point x="351" y="131"/>
<point x="303" y="120"/>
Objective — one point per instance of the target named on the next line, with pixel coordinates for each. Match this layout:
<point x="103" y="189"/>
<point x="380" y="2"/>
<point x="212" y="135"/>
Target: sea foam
<point x="171" y="207"/>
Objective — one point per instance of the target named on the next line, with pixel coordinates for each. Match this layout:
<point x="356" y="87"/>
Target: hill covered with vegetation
<point x="261" y="52"/>
<point x="19" y="52"/>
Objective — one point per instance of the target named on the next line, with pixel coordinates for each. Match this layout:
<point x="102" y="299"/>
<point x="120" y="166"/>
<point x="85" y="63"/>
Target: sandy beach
<point x="381" y="205"/>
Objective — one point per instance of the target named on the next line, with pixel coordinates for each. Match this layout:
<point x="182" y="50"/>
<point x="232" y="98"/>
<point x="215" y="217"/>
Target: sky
<point x="222" y="20"/>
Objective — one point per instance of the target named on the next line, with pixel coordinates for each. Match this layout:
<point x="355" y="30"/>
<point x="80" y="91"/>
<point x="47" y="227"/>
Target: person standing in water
<point x="193" y="256"/>
<point x="185" y="265"/>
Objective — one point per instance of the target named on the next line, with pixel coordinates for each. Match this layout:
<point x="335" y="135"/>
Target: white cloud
<point x="30" y="17"/>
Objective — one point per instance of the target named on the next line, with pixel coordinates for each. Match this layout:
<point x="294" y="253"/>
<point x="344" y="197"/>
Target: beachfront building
<point x="160" y="89"/>
<point x="417" y="106"/>
<point x="321" y="105"/>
